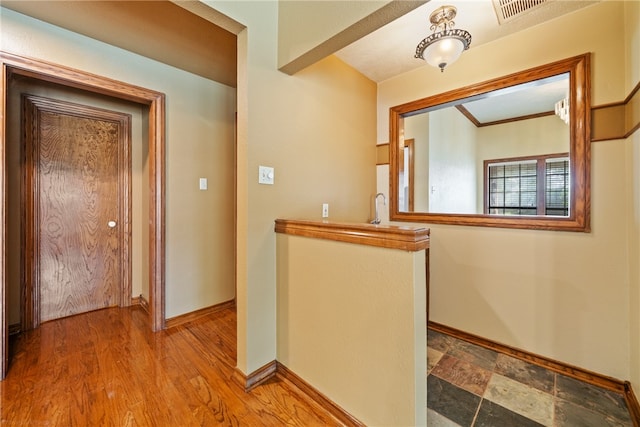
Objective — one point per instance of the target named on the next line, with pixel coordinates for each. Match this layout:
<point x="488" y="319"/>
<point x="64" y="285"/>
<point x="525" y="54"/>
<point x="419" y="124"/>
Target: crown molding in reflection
<point x="479" y="124"/>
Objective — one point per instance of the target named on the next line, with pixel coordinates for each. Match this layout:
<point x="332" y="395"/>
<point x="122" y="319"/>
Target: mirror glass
<point x="510" y="152"/>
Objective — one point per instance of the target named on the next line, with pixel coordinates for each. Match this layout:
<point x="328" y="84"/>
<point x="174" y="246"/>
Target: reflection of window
<point x="537" y="185"/>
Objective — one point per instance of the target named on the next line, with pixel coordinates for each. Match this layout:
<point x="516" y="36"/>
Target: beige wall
<point x="351" y="322"/>
<point x="559" y="294"/>
<point x="535" y="137"/>
<point x="539" y="136"/>
<point x="317" y="129"/>
<point x="200" y="132"/>
<point x="632" y="77"/>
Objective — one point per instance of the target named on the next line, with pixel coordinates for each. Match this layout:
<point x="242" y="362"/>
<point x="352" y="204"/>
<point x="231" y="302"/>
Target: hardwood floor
<point x="106" y="368"/>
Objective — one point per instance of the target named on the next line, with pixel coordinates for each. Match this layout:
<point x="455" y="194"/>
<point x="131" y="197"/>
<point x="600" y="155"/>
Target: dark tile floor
<point x="469" y="385"/>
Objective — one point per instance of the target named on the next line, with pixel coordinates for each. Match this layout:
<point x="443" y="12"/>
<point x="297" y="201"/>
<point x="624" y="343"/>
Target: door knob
<point x="111" y="224"/>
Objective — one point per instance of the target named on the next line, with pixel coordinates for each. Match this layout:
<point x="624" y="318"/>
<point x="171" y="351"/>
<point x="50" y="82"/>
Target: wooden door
<point x="76" y="203"/>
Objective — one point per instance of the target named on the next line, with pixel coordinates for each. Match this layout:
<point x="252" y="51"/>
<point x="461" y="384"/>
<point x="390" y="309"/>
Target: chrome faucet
<point x="376" y="220"/>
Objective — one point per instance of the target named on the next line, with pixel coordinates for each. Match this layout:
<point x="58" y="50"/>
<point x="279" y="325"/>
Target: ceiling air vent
<point x="508" y="10"/>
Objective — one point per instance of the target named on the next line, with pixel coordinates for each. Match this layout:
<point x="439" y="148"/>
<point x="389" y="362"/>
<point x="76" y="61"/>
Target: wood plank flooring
<point x="106" y="368"/>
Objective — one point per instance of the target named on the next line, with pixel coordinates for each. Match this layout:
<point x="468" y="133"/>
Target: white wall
<point x="199" y="141"/>
<point x="445" y="161"/>
<point x="452" y="162"/>
<point x="562" y="295"/>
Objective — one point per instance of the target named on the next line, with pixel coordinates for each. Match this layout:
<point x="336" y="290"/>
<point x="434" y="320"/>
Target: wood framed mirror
<point x="511" y="152"/>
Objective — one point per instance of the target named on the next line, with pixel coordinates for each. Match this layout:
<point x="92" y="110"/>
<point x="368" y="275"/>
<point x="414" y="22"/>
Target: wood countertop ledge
<point x="411" y="239"/>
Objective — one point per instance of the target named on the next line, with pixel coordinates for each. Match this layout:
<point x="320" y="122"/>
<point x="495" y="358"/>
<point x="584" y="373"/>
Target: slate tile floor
<point x="469" y="385"/>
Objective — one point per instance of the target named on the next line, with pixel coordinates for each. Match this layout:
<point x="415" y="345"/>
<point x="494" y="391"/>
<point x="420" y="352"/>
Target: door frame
<point x="31" y="105"/>
<point x="18" y="65"/>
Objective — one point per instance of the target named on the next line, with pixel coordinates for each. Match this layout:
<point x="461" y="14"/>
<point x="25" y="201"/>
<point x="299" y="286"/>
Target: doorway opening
<point x="153" y="105"/>
<point x="71" y="197"/>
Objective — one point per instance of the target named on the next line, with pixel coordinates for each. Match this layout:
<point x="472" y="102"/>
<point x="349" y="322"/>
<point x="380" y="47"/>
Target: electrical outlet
<point x="325" y="210"/>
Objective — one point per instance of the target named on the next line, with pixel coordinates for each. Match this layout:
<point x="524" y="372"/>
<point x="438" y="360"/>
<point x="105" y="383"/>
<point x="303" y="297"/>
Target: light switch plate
<point x="265" y="175"/>
<point x="203" y="183"/>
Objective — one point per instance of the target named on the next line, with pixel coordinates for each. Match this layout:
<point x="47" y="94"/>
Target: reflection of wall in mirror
<point x="532" y="137"/>
<point x="449" y="152"/>
<point x="445" y="161"/>
<point x="452" y="164"/>
<point x="417" y="128"/>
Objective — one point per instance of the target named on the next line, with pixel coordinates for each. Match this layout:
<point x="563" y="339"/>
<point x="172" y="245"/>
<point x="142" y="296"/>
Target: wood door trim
<point x="32" y="106"/>
<point x="41" y="70"/>
<point x="4" y="321"/>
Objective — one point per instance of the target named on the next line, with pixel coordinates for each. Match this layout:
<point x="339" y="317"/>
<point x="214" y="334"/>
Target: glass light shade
<point x="443" y="48"/>
<point x="443" y="51"/>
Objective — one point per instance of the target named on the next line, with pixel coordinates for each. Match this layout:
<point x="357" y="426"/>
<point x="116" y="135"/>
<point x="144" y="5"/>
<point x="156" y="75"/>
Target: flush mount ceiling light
<point x="446" y="44"/>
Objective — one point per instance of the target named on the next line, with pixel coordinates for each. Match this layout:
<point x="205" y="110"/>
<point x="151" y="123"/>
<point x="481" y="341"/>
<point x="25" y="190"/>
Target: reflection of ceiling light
<point x="446" y="45"/>
<point x="562" y="109"/>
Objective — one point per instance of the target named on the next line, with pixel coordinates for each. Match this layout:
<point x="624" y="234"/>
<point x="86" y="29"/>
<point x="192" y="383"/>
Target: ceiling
<point x="389" y="51"/>
<point x="168" y="32"/>
<point x="523" y="101"/>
